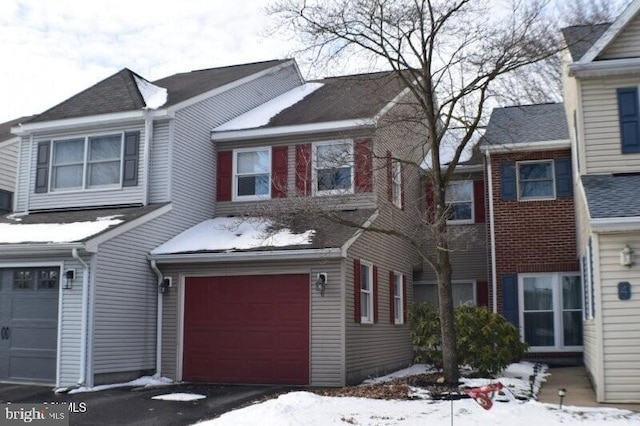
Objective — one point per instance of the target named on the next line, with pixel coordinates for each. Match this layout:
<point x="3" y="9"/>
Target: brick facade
<point x="532" y="236"/>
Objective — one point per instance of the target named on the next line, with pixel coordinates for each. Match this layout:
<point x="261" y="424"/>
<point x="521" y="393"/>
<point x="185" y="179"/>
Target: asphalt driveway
<point x="134" y="406"/>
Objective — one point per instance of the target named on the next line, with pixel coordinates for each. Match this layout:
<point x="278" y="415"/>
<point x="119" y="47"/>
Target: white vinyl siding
<point x="626" y="44"/>
<point x="620" y="320"/>
<point x="8" y="167"/>
<point x="602" y="144"/>
<point x="160" y="163"/>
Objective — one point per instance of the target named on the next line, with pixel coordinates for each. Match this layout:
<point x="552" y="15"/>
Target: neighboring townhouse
<point x="466" y="197"/>
<point x="102" y="179"/>
<point x="289" y="282"/>
<point x="8" y="164"/>
<point x="601" y="83"/>
<point x="533" y="267"/>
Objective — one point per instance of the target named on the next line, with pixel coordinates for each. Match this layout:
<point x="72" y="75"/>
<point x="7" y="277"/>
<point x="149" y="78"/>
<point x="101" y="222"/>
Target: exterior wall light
<point x="562" y="393"/>
<point x="321" y="283"/>
<point x="626" y="256"/>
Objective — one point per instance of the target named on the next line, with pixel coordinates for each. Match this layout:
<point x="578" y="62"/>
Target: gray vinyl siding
<point x="22" y="187"/>
<point x="8" y="167"/>
<point x="355" y="201"/>
<point x="626" y="44"/>
<point x="70" y="315"/>
<point x="326" y="316"/>
<point x="160" y="163"/>
<point x="86" y="198"/>
<point x="620" y="321"/>
<point x="193" y="155"/>
<point x="125" y="298"/>
<point x="602" y="127"/>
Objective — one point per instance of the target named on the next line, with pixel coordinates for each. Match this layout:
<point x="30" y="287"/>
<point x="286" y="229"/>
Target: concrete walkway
<point x="579" y="390"/>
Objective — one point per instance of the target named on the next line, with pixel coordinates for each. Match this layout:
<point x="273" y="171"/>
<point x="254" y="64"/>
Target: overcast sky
<point x="52" y="49"/>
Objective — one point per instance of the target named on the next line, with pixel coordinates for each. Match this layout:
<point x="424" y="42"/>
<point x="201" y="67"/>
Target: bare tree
<point x="450" y="54"/>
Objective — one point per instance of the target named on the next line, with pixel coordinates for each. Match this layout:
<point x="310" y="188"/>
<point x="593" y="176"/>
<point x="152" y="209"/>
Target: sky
<point x="53" y="49"/>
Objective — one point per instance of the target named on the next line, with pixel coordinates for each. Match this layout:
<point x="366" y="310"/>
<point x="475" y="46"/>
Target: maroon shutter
<point x="279" y="171"/>
<point x="389" y="177"/>
<point x="482" y="293"/>
<point x="303" y="169"/>
<point x="224" y="175"/>
<point x="478" y="201"/>
<point x="363" y="165"/>
<point x="375" y="295"/>
<point x="429" y="204"/>
<point x="404" y="299"/>
<point x="357" y="314"/>
<point x="401" y="187"/>
<point x="392" y="299"/>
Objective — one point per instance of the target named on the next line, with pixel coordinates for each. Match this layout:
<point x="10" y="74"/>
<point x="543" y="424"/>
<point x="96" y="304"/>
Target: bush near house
<point x="485" y="341"/>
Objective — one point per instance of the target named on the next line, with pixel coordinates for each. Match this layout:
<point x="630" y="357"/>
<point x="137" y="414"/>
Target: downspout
<point x="148" y="135"/>
<point x="158" y="273"/>
<point x="85" y="312"/>
<point x="492" y="233"/>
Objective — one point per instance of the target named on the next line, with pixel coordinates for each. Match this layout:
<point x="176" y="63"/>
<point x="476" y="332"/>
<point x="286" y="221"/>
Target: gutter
<point x="39" y="248"/>
<point x="85" y="311"/>
<point x="267" y="255"/>
<point x="615" y="224"/>
<point x="492" y="233"/>
<point x="528" y="146"/>
<point x="610" y="67"/>
<point x="154" y="267"/>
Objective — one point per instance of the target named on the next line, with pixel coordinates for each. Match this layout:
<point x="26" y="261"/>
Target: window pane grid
<point x="366" y="294"/>
<point x="253" y="173"/>
<point x="459" y="200"/>
<point x="333" y="167"/>
<point x="535" y="180"/>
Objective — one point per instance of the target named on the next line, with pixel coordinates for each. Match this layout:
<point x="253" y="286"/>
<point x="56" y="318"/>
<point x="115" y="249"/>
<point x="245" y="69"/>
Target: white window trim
<point x="234" y="176"/>
<point x="398" y="313"/>
<point x="553" y="180"/>
<point x="587" y="285"/>
<point x="473" y="207"/>
<point x="367" y="293"/>
<point x="557" y="311"/>
<point x="85" y="165"/>
<point x="396" y="183"/>
<point x="474" y="284"/>
<point x="314" y="169"/>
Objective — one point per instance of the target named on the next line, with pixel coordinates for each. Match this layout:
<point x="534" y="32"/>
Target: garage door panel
<point x="254" y="329"/>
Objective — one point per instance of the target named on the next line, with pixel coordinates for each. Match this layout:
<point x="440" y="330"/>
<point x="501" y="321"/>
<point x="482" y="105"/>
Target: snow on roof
<point x="229" y="233"/>
<point x="261" y="115"/>
<point x="154" y="96"/>
<point x="448" y="145"/>
<point x="11" y="233"/>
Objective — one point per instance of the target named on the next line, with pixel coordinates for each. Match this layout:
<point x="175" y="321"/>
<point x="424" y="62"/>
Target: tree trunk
<point x="447" y="319"/>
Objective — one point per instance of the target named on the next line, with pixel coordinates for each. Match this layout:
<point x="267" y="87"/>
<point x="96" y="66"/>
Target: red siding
<point x="279" y="171"/>
<point x="224" y="175"/>
<point x="247" y="329"/>
<point x="303" y="169"/>
<point x="363" y="165"/>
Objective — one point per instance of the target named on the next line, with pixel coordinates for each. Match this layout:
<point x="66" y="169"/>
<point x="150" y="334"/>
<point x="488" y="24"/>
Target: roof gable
<point x="580" y="38"/>
<point x="117" y="93"/>
<point x="612" y="32"/>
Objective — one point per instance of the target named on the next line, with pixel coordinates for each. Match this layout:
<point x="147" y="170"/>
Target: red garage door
<point x="247" y="329"/>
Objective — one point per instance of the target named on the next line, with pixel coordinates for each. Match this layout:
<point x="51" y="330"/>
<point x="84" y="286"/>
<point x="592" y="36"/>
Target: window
<point x="463" y="293"/>
<point x="88" y="162"/>
<point x="252" y="173"/>
<point x="396" y="183"/>
<point x="333" y="167"/>
<point x="459" y="199"/>
<point x="552" y="310"/>
<point x="536" y="180"/>
<point x="398" y="303"/>
<point x="366" y="293"/>
<point x="587" y="283"/>
<point x="36" y="279"/>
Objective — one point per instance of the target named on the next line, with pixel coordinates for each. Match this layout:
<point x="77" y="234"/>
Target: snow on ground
<point x="406" y="372"/>
<point x="154" y="96"/>
<point x="146" y="381"/>
<point x="261" y="115"/>
<point x="228" y="233"/>
<point x="11" y="233"/>
<point x="179" y="397"/>
<point x="307" y="408"/>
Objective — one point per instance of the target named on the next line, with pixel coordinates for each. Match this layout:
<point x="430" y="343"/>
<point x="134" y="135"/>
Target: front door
<point x="29" y="323"/>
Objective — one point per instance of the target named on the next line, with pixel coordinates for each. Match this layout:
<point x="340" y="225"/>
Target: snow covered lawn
<point x="309" y="409"/>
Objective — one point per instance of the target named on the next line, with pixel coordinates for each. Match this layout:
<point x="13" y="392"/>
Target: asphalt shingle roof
<point x="610" y="196"/>
<point x="119" y="92"/>
<point x="526" y="124"/>
<point x="580" y="38"/>
<point x="5" y="128"/>
<point x="342" y="98"/>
